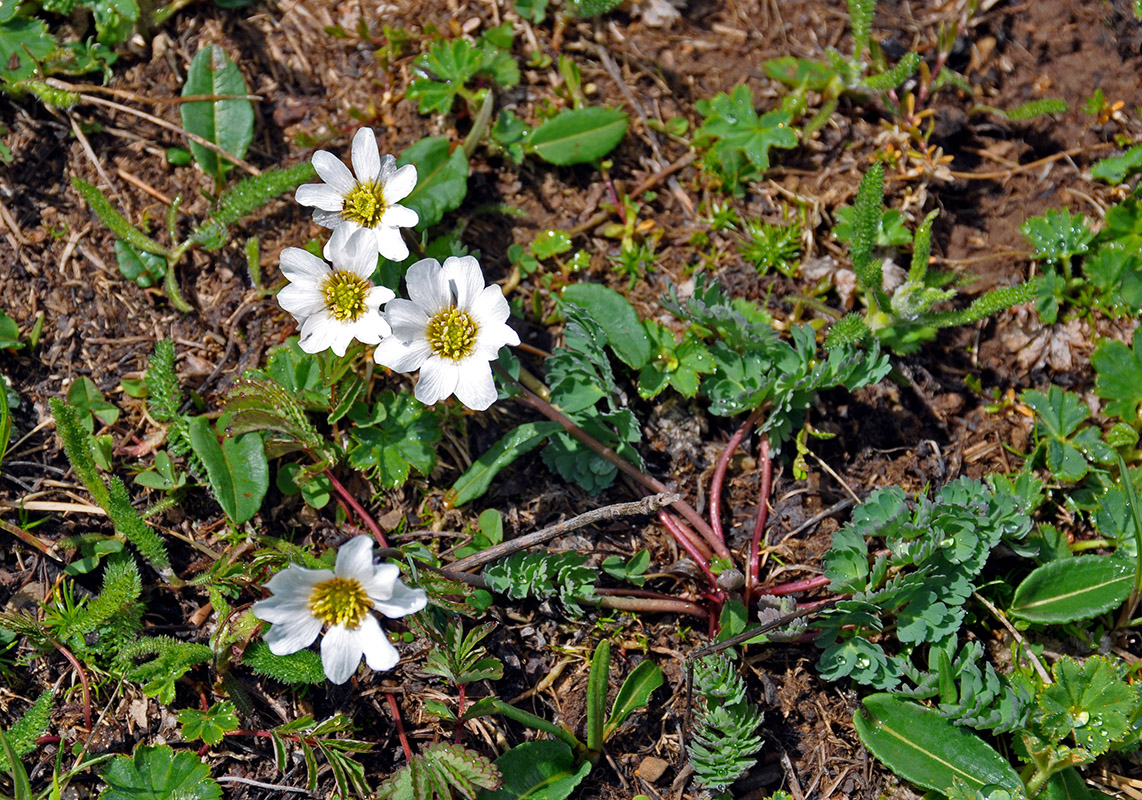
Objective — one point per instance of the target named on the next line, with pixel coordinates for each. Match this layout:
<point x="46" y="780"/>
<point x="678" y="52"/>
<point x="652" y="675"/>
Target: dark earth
<point x="315" y="90"/>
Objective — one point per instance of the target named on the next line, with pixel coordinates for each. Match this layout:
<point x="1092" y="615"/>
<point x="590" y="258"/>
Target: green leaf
<point x="634" y="694"/>
<point x="1073" y="589"/>
<point x="550" y="243"/>
<point x="396" y="435"/>
<point x="578" y="136"/>
<point x="302" y="667"/>
<point x="598" y="681"/>
<point x="9" y="333"/>
<point x="5" y="419"/>
<point x="539" y="770"/>
<point x="441" y="179"/>
<point x="246" y="197"/>
<point x="114" y="220"/>
<point x="618" y="319"/>
<point x="733" y="131"/>
<point x="146" y="269"/>
<point x="921" y="746"/>
<point x="227" y="123"/>
<point x="158" y="773"/>
<point x="441" y="73"/>
<point x="114" y="19"/>
<point x="476" y="480"/>
<point x="84" y="396"/>
<point x="21" y="788"/>
<point x="535" y="11"/>
<point x="1116" y="170"/>
<point x="1089" y="701"/>
<point x="210" y="725"/>
<point x="1057" y="236"/>
<point x="799" y="73"/>
<point x="1119" y="376"/>
<point x="236" y="466"/>
<point x="16" y="63"/>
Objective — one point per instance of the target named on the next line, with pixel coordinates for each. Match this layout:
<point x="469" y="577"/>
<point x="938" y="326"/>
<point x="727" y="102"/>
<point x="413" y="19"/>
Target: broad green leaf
<point x="9" y="333"/>
<point x="158" y="773"/>
<point x="210" y="725"/>
<point x="441" y="179"/>
<point x="634" y="694"/>
<point x="16" y="62"/>
<point x="236" y="467"/>
<point x="1116" y="170"/>
<point x="145" y="269"/>
<point x="1119" y="376"/>
<point x="84" y="396"/>
<point x="540" y="770"/>
<point x="114" y="19"/>
<point x="921" y="746"/>
<point x="478" y="478"/>
<point x="1088" y="700"/>
<point x="618" y="319"/>
<point x="397" y="434"/>
<point x="1073" y="589"/>
<point x="1069" y="785"/>
<point x="578" y="136"/>
<point x="227" y="123"/>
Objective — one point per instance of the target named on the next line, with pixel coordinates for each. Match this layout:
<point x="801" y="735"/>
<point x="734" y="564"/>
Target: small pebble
<point x="651" y="769"/>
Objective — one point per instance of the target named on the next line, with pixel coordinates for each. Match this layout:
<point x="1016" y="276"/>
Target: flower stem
<point x="480" y="126"/>
<point x="392" y="700"/>
<point x="719" y="478"/>
<point x="529" y="398"/>
<point x="688" y="543"/>
<point x="358" y="509"/>
<point x="804" y="585"/>
<point x="82" y="680"/>
<point x="754" y="564"/>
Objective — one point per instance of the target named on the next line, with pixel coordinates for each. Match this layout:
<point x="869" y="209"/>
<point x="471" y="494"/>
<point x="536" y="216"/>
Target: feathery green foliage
<point x="725" y="741"/>
<point x="772" y="246"/>
<point x="114" y="612"/>
<point x="246" y="197"/>
<point x="545" y="575"/>
<point x="324" y="738"/>
<point x="585" y="9"/>
<point x="78" y="451"/>
<point x="31" y="725"/>
<point x="114" y="220"/>
<point x="866" y="225"/>
<point x="171" y="660"/>
<point x="129" y="523"/>
<point x="263" y="404"/>
<point x="164" y="402"/>
<point x="861" y="13"/>
<point x="302" y="667"/>
<point x="890" y="79"/>
<point x="442" y="772"/>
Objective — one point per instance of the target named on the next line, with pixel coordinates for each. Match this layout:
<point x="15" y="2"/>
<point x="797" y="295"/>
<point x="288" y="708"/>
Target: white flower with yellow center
<point x="341" y="601"/>
<point x="365" y="199"/>
<point x="449" y="329"/>
<point x="334" y="305"/>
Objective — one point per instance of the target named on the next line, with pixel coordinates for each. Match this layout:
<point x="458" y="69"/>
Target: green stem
<point x="480" y="126"/>
<point x="170" y="282"/>
<point x="1090" y="544"/>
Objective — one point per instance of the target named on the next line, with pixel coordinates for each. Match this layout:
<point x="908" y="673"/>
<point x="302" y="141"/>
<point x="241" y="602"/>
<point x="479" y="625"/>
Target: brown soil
<point x="315" y="87"/>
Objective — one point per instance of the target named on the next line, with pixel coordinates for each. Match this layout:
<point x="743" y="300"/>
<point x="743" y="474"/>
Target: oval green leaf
<point x="478" y="478"/>
<point x="539" y="770"/>
<point x="227" y="123"/>
<point x="634" y="694"/>
<point x="578" y="136"/>
<point x="614" y="313"/>
<point x="441" y="179"/>
<point x="236" y="467"/>
<point x="1073" y="589"/>
<point x="921" y="746"/>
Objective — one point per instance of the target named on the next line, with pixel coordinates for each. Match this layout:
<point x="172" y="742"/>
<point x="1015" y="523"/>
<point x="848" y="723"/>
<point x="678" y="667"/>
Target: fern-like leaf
<point x="991" y="303"/>
<point x="246" y="197"/>
<point x="892" y="78"/>
<point x="860" y="17"/>
<point x="117" y="597"/>
<point x="866" y="222"/>
<point x="442" y="772"/>
<point x="164" y="396"/>
<point x="302" y="667"/>
<point x="260" y="404"/>
<point x="31" y="726"/>
<point x="128" y="522"/>
<point x="78" y="452"/>
<point x="171" y="660"/>
<point x="849" y="331"/>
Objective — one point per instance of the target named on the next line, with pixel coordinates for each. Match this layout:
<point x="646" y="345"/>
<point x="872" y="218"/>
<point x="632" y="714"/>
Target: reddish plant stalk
<point x="459" y="713"/>
<point x="358" y="509"/>
<point x="754" y="565"/>
<point x="718" y="481"/>
<point x="688" y="543"/>
<point x="82" y="680"/>
<point x="529" y="398"/>
<point x="651" y="605"/>
<point x="803" y="585"/>
<point x="399" y="725"/>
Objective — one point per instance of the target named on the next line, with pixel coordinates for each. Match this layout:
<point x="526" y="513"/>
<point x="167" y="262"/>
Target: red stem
<point x="359" y="510"/>
<point x="83" y="681"/>
<point x="803" y="585"/>
<point x="459" y="714"/>
<point x="719" y="478"/>
<point x="690" y="545"/>
<point x="399" y="725"/>
<point x="754" y="566"/>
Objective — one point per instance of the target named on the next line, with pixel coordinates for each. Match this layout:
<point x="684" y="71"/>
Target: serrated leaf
<point x="539" y="770"/>
<point x="578" y="136"/>
<point x="302" y="667"/>
<point x="210" y="725"/>
<point x="441" y="179"/>
<point x="1116" y="170"/>
<point x="1119" y="376"/>
<point x="402" y="438"/>
<point x="476" y="480"/>
<point x="158" y="773"/>
<point x="236" y="466"/>
<point x="16" y="63"/>
<point x="1089" y="701"/>
<point x="227" y="123"/>
<point x="1073" y="589"/>
<point x="922" y="747"/>
<point x="618" y="319"/>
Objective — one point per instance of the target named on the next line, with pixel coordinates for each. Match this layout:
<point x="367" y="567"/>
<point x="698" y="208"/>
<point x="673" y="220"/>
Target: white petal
<point x="352" y="251"/>
<point x="297" y="581"/>
<point x="297" y="263"/>
<point x="475" y="387"/>
<point x="377" y="297"/>
<point x="371" y="328"/>
<point x="280" y="609"/>
<point x="390" y="243"/>
<point x="490" y="308"/>
<point x="427" y="286"/>
<point x="396" y="216"/>
<point x="355" y="559"/>
<point x="341" y="653"/>
<point x="366" y="157"/>
<point x="408" y="321"/>
<point x="321" y="332"/>
<point x="437" y="380"/>
<point x="401" y="356"/>
<point x="301" y="300"/>
<point x="289" y="637"/>
<point x="388" y="169"/>
<point x="404" y="601"/>
<point x="328" y="219"/>
<point x="466" y="280"/>
<point x="400" y="184"/>
<point x="320" y="195"/>
<point x="379" y="651"/>
<point x="383" y="582"/>
<point x="333" y="172"/>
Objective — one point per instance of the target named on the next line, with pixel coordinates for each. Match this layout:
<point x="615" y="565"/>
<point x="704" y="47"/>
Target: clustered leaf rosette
<point x="341" y="601"/>
<point x="450" y="328"/>
<point x="366" y="198"/>
<point x="335" y="304"/>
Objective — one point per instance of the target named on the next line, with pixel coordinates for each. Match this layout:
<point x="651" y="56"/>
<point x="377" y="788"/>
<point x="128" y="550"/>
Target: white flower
<point x="335" y="305"/>
<point x="450" y="329"/>
<point x="306" y="600"/>
<point x="368" y="201"/>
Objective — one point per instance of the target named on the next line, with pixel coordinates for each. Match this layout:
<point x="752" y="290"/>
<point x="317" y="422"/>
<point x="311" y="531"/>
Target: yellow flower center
<point x="340" y="601"/>
<point x="452" y="334"/>
<point x="345" y="295"/>
<point x="365" y="205"/>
